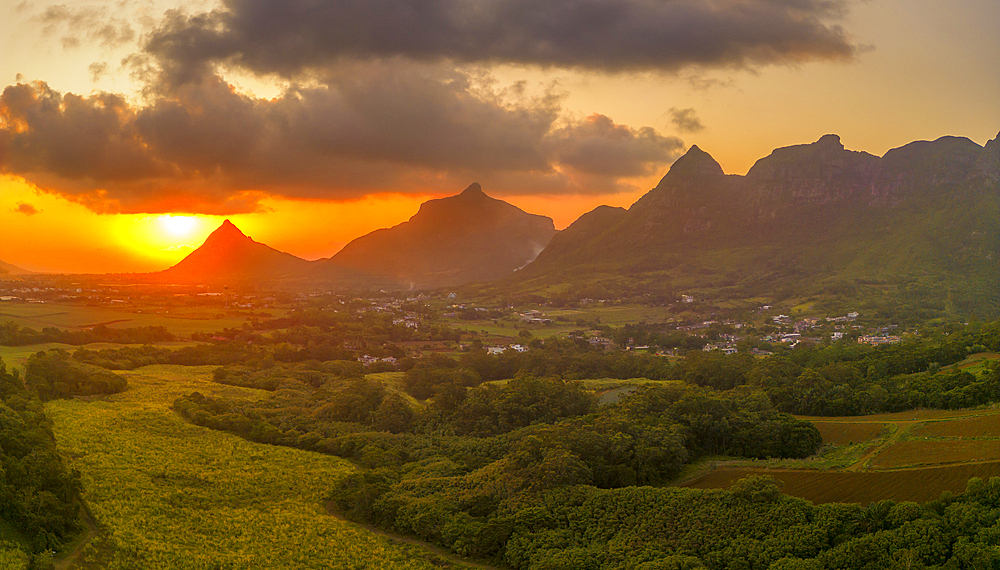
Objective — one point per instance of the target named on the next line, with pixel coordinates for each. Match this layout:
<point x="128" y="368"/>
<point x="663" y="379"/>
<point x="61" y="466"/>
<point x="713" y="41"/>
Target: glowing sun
<point x="178" y="226"/>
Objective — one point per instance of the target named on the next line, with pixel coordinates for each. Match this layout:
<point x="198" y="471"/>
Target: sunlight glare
<point x="178" y="226"/>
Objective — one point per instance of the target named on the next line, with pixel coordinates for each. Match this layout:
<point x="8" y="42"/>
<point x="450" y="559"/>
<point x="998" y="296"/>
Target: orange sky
<point x="922" y="69"/>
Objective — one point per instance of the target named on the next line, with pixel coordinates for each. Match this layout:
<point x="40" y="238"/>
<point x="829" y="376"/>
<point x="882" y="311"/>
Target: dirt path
<point x="436" y="550"/>
<point x="67" y="560"/>
<point x="901" y="428"/>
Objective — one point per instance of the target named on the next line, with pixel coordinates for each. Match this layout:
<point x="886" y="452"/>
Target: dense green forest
<point x="38" y="495"/>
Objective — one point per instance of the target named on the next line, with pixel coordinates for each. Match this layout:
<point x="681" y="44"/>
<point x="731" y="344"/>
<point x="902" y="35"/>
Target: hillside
<point x="915" y="229"/>
<point x="229" y="256"/>
<point x="8" y="269"/>
<point x="449" y="241"/>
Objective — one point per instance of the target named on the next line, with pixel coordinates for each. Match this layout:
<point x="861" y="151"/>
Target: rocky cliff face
<point x="817" y="173"/>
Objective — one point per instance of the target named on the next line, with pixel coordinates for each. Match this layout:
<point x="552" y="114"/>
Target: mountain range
<point x="917" y="228"/>
<point x="449" y="241"/>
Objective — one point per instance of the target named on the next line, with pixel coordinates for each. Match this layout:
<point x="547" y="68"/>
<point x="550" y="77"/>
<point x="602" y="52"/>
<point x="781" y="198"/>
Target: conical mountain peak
<point x="695" y="162"/>
<point x="230" y="255"/>
<point x="226" y="233"/>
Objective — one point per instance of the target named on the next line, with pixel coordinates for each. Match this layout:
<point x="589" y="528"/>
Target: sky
<point x="129" y="129"/>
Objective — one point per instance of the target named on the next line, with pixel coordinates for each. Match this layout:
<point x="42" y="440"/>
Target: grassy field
<point x="565" y="320"/>
<point x="860" y="486"/>
<point x="170" y="495"/>
<point x="67" y="316"/>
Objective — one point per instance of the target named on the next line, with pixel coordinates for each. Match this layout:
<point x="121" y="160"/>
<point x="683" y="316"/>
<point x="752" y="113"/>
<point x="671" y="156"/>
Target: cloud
<point x="97" y="70"/>
<point x="287" y="37"/>
<point x="685" y="120"/>
<point x="25" y="208"/>
<point x="368" y="128"/>
<point x="599" y="146"/>
<point x="96" y="25"/>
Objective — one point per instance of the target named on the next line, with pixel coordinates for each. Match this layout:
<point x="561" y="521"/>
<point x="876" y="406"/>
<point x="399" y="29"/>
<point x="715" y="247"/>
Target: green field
<point x="565" y="320"/>
<point x="975" y="363"/>
<point x="67" y="316"/>
<point x="170" y="495"/>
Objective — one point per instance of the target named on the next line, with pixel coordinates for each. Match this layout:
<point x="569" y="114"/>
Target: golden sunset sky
<point x="130" y="129"/>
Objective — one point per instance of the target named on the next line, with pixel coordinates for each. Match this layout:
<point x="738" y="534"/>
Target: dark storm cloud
<point x="377" y="127"/>
<point x="288" y="36"/>
<point x="685" y="120"/>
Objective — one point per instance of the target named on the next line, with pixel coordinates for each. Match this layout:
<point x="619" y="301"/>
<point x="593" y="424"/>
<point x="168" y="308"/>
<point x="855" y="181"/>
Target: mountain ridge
<point x="807" y="218"/>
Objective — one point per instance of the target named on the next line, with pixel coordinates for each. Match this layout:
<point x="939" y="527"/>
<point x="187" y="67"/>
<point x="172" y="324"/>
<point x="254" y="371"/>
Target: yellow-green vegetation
<point x="393" y="382"/>
<point x="13" y="558"/>
<point x="167" y="494"/>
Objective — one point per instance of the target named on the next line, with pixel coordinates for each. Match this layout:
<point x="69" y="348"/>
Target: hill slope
<point x="8" y="269"/>
<point x="916" y="228"/>
<point x="459" y="239"/>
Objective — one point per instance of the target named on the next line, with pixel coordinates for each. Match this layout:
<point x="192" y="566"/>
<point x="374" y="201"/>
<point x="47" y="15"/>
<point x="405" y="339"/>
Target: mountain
<point x="449" y="241"/>
<point x="915" y="229"/>
<point x="229" y="256"/>
<point x="8" y="269"/>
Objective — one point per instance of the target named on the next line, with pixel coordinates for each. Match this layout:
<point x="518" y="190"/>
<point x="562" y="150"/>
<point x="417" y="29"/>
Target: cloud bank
<point x="382" y="97"/>
<point x="287" y="36"/>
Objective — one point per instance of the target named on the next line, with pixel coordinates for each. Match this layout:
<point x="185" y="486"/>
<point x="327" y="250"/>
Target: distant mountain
<point x="229" y="256"/>
<point x="449" y="241"/>
<point x="8" y="269"/>
<point x="917" y="228"/>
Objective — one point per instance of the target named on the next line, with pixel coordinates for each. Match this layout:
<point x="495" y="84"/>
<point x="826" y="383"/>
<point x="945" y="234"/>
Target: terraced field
<point x="980" y="426"/>
<point x="847" y="433"/>
<point x="166" y="494"/>
<point x="860" y="486"/>
<point x="906" y="456"/>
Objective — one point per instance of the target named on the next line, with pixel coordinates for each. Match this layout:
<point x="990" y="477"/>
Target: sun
<point x="178" y="226"/>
